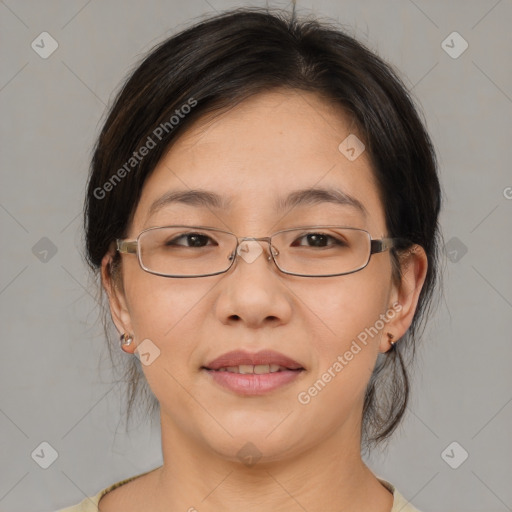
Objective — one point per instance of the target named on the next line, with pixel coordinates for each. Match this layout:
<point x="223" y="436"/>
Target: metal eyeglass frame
<point x="125" y="246"/>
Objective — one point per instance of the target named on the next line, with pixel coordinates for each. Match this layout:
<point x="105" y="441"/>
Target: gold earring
<point x="126" y="340"/>
<point x="391" y="342"/>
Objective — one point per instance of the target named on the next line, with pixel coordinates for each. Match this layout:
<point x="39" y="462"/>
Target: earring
<point x="391" y="342"/>
<point x="126" y="340"/>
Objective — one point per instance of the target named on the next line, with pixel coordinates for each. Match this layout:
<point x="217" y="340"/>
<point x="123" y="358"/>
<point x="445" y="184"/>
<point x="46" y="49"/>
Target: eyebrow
<point x="193" y="197"/>
<point x="319" y="195"/>
<point x="297" y="198"/>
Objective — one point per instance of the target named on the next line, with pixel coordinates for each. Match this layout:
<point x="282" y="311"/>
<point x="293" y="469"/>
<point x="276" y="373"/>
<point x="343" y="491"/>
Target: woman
<point x="263" y="211"/>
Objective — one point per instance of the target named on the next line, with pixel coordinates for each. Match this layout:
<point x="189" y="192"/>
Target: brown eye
<point x="319" y="240"/>
<point x="191" y="240"/>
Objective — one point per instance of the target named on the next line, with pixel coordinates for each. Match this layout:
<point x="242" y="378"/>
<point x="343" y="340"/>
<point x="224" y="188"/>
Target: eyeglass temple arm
<point x="127" y="246"/>
<point x="387" y="243"/>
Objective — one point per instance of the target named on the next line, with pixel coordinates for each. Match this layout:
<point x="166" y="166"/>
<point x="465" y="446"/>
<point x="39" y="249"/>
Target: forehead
<point x="258" y="156"/>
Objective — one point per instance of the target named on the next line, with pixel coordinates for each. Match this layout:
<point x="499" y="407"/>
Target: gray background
<point x="56" y="385"/>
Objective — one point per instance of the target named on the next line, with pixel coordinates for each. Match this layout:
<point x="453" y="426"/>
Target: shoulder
<point x="90" y="504"/>
<point x="400" y="504"/>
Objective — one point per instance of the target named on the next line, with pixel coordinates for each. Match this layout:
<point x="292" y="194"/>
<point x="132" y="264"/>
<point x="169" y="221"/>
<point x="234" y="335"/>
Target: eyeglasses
<point x="312" y="251"/>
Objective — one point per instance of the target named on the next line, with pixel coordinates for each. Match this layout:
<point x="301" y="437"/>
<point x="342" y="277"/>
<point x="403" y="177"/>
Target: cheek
<point x="345" y="344"/>
<point x="158" y="305"/>
<point x="346" y="328"/>
<point x="345" y="306"/>
<point x="168" y="313"/>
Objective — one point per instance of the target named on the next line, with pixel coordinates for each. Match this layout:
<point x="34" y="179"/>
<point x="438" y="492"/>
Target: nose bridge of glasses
<point x="244" y="249"/>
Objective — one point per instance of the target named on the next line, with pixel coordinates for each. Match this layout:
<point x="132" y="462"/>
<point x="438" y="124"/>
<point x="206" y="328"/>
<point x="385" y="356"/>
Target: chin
<point x="250" y="451"/>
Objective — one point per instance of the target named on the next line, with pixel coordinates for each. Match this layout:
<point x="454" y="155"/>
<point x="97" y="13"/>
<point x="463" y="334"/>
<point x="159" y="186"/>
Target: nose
<point x="252" y="295"/>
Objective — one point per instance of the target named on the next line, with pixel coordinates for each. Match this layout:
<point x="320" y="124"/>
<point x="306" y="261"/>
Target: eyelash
<point x="173" y="241"/>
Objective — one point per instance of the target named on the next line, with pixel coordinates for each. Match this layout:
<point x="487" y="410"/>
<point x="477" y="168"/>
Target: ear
<point x="113" y="285"/>
<point x="404" y="295"/>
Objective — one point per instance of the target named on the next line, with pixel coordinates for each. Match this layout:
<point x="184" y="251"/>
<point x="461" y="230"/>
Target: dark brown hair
<point x="217" y="63"/>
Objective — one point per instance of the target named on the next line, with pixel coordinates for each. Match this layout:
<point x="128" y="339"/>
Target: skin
<point x="263" y="148"/>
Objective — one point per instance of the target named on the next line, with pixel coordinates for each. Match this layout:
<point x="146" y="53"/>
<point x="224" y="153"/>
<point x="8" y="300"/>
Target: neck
<point x="193" y="477"/>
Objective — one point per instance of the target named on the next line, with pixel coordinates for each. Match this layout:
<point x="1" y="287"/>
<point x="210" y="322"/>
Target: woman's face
<point x="255" y="155"/>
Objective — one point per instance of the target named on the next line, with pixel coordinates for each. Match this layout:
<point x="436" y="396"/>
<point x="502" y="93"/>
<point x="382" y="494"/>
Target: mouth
<point x="264" y="361"/>
<point x="257" y="369"/>
<point x="253" y="374"/>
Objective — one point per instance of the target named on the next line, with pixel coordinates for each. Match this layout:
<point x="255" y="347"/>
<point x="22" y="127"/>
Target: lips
<point x="247" y="374"/>
<point x="242" y="358"/>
